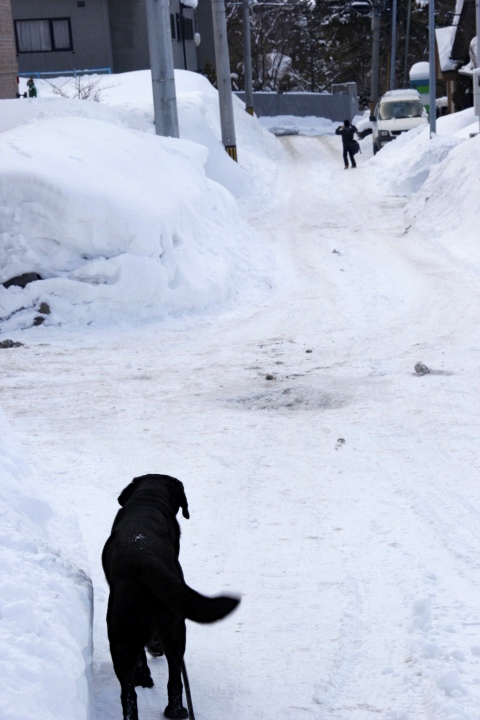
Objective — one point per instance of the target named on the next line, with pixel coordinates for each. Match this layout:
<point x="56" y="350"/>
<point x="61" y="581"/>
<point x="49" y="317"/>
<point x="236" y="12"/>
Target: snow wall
<point x="119" y="225"/>
<point x="46" y="603"/>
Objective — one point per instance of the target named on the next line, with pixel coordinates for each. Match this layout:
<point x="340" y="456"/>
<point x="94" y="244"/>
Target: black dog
<point x="149" y="599"/>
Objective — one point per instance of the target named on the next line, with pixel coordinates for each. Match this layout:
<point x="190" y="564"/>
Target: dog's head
<point x="172" y="486"/>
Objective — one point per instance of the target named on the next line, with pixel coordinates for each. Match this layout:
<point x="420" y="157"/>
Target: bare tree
<point x="82" y="88"/>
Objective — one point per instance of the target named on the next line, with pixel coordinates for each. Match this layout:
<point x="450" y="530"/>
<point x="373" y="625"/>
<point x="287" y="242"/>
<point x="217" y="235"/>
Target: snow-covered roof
<point x="463" y="29"/>
<point x="399" y="94"/>
<point x="445" y="39"/>
<point x="419" y="71"/>
<point x="456" y="17"/>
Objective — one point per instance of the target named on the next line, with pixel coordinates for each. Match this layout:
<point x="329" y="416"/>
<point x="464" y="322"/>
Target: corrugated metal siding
<point x="8" y="64"/>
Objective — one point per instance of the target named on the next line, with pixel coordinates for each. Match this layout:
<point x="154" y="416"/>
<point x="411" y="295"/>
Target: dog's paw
<point x="155" y="648"/>
<point x="142" y="677"/>
<point x="175" y="711"/>
<point x="145" y="682"/>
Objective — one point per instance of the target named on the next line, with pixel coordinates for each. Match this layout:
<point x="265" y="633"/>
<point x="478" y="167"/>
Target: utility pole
<point x="161" y="62"/>
<point x="432" y="66"/>
<point x="182" y="30"/>
<point x="393" y="54"/>
<point x="247" y="57"/>
<point x="373" y="8"/>
<point x="407" y="42"/>
<point x="375" y="54"/>
<point x="224" y="82"/>
<point x="477" y="18"/>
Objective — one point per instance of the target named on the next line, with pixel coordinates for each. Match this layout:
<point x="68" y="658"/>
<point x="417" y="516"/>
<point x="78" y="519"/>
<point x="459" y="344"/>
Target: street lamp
<point x="476" y="78"/>
<point x="432" y="67"/>
<point x="182" y="30"/>
<point x="407" y="41"/>
<point x="393" y="52"/>
<point x="372" y="8"/>
<point x="247" y="55"/>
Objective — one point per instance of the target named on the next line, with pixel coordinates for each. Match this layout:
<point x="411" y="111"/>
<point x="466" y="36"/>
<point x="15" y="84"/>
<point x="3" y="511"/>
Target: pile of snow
<point x="420" y="71"/>
<point x="461" y="124"/>
<point x="126" y="99"/>
<point x="117" y="224"/>
<point x="439" y="174"/>
<point x="447" y="209"/>
<point x="45" y="603"/>
<point x="403" y="165"/>
<point x="121" y="224"/>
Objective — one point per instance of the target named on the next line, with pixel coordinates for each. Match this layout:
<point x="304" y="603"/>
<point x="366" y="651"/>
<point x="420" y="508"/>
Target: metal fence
<point x="334" y="106"/>
<point x="62" y="73"/>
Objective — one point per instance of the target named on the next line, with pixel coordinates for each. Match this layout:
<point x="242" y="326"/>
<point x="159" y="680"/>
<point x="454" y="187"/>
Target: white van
<point x="397" y="111"/>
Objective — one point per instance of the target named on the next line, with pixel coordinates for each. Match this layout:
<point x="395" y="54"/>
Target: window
<point x="184" y="28"/>
<point x="400" y="109"/>
<point x="43" y="35"/>
<point x="172" y="25"/>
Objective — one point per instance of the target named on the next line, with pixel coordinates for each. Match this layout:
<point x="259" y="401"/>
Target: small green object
<point x="32" y="88"/>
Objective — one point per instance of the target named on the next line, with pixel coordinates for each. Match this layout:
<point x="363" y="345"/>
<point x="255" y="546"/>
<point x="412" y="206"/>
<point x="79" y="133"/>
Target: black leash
<point x="188" y="694"/>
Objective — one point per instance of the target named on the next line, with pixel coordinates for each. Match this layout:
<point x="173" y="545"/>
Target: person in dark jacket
<point x="32" y="88"/>
<point x="347" y="131"/>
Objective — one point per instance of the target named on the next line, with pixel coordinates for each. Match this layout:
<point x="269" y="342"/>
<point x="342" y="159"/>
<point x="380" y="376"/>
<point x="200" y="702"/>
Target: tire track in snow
<point x="272" y="484"/>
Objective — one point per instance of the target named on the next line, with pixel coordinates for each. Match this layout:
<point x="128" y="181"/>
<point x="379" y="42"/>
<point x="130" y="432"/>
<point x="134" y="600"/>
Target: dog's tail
<point x="181" y="598"/>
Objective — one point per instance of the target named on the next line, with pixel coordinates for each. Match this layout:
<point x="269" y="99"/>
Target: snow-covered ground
<point x="252" y="330"/>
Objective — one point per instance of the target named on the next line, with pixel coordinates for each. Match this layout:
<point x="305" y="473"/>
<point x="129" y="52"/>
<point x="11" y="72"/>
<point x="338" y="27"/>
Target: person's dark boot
<point x="346" y="166"/>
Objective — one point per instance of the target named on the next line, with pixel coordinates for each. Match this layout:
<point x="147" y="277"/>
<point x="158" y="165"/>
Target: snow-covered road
<point x="340" y="497"/>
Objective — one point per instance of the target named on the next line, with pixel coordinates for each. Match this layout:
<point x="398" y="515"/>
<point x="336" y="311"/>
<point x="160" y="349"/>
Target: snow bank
<point x="440" y="176"/>
<point x="121" y="224"/>
<point x="126" y="99"/>
<point x="251" y="179"/>
<point x="447" y="209"/>
<point x="403" y="165"/>
<point x="460" y="124"/>
<point x="45" y="604"/>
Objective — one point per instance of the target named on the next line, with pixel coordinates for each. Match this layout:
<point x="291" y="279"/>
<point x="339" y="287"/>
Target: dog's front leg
<point x="143" y="677"/>
<point x="173" y="637"/>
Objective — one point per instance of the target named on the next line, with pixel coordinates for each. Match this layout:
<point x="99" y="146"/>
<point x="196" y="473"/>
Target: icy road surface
<point x="340" y="497"/>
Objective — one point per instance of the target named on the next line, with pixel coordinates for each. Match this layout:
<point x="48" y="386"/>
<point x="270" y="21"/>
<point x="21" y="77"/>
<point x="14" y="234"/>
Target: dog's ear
<point x="184" y="503"/>
<point x="127" y="492"/>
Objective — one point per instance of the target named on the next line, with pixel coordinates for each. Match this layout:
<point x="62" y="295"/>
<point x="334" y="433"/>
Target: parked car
<point x="397" y="111"/>
<point x="364" y="126"/>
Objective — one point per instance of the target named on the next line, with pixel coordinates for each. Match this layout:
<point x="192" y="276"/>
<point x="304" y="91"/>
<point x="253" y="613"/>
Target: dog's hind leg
<point x="142" y="676"/>
<point x="173" y="639"/>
